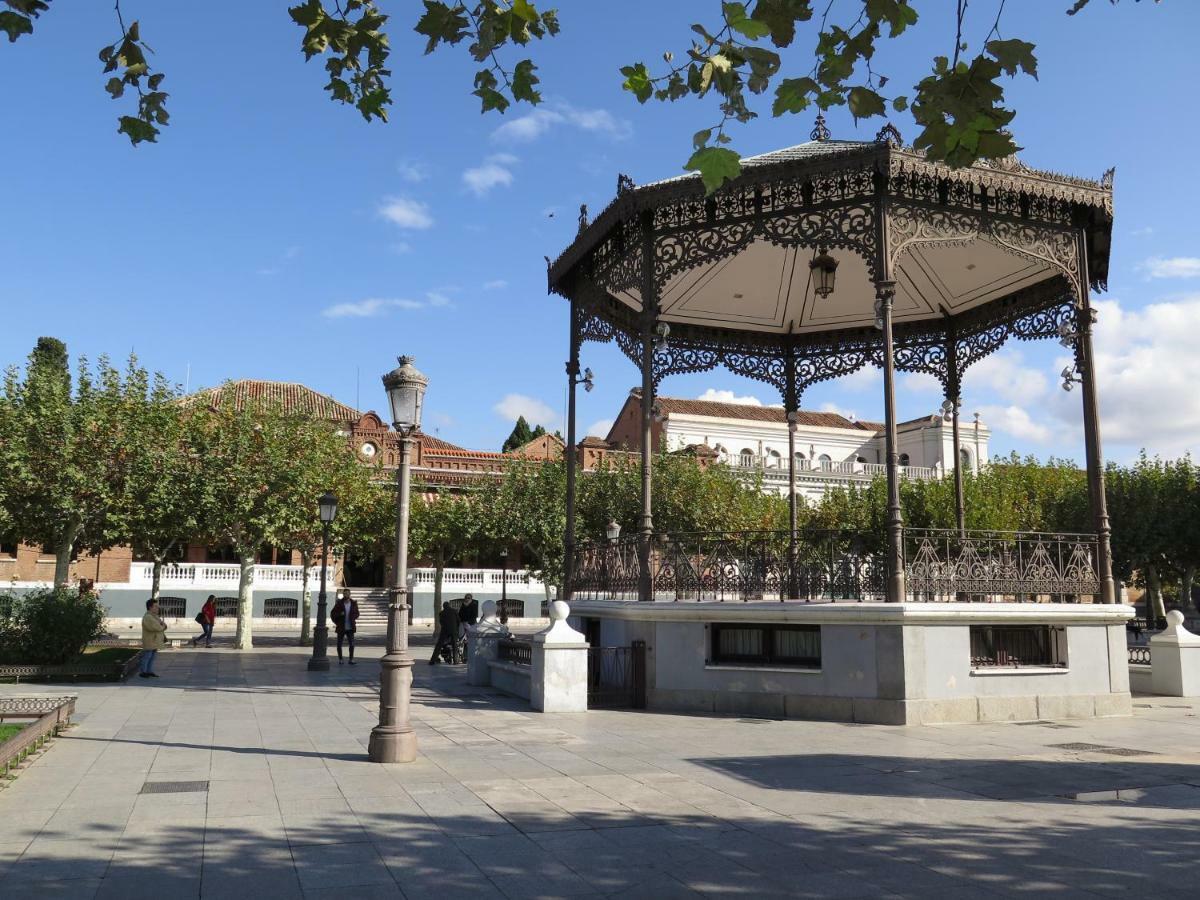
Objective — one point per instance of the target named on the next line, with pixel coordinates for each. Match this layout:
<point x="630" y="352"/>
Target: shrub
<point x="49" y="626"/>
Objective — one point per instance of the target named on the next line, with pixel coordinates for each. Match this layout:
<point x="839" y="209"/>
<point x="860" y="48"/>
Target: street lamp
<point x="824" y="272"/>
<point x="393" y="739"/>
<point x="503" y="585"/>
<point x="327" y="506"/>
<point x="613" y="530"/>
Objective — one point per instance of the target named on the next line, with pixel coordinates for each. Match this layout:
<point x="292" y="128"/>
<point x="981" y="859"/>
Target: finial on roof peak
<point x="624" y="183"/>
<point x="820" y="132"/>
<point x="583" y="217"/>
<point x="889" y="134"/>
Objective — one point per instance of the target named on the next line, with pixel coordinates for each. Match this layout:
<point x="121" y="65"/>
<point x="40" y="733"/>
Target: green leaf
<point x="897" y="13"/>
<point x="900" y="104"/>
<point x="485" y="90"/>
<point x="522" y="9"/>
<point x="1014" y="54"/>
<point x="637" y="81"/>
<point x="700" y="138"/>
<point x="716" y="165"/>
<point x="14" y="25"/>
<point x="442" y="23"/>
<point x="137" y="130"/>
<point x="864" y="103"/>
<point x="792" y="95"/>
<point x="780" y="17"/>
<point x="735" y="15"/>
<point x="115" y="86"/>
<point x="308" y="13"/>
<point x="523" y="81"/>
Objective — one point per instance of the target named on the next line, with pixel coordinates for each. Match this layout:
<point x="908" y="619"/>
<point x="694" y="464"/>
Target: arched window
<point x="773" y="460"/>
<point x="964" y="457"/>
<point x="825" y="461"/>
<point x="746" y="457"/>
<point x="722" y="453"/>
<point x="801" y="460"/>
<point x="904" y="459"/>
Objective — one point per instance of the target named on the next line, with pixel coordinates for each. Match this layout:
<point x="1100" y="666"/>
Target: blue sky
<point x="271" y="234"/>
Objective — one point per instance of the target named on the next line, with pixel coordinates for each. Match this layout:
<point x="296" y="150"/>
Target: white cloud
<point x="840" y="410"/>
<point x="513" y="406"/>
<point x="496" y="171"/>
<point x="1016" y="421"/>
<point x="533" y="125"/>
<point x="496" y="284"/>
<point x="379" y="306"/>
<point x="364" y="309"/>
<point x="600" y="428"/>
<point x="715" y="396"/>
<point x="1006" y="374"/>
<point x="1147" y="372"/>
<point x="921" y="383"/>
<point x="1144" y="231"/>
<point x="406" y="213"/>
<point x="866" y="378"/>
<point x="1172" y="267"/>
<point x="412" y="170"/>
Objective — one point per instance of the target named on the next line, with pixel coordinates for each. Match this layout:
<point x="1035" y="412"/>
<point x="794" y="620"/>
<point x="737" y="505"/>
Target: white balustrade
<point x="205" y="575"/>
<point x="775" y="469"/>
<point x="484" y="579"/>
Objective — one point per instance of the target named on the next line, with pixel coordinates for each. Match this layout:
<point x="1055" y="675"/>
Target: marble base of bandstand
<point x="881" y="663"/>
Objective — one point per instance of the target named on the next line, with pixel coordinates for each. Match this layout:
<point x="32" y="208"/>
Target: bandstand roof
<point x="993" y="249"/>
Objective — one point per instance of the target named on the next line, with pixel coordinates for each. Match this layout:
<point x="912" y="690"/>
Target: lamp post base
<point x="318" y="664"/>
<point x="392" y="744"/>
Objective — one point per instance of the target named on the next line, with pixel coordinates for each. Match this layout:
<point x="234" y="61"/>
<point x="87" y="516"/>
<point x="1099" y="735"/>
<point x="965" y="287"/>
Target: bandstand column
<point x="1091" y="434"/>
<point x="885" y="292"/>
<point x="649" y="315"/>
<point x="954" y="395"/>
<point x="791" y="406"/>
<point x="569" y="457"/>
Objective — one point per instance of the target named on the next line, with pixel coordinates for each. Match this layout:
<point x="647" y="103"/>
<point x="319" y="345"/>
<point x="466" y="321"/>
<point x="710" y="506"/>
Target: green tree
<point x="960" y="105"/>
<point x="443" y="526"/>
<point x="64" y="453"/>
<point x="256" y="470"/>
<point x="164" y="487"/>
<point x="521" y="435"/>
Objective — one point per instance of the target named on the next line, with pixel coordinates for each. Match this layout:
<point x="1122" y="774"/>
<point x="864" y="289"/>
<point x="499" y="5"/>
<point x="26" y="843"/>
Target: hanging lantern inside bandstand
<point x="824" y="271"/>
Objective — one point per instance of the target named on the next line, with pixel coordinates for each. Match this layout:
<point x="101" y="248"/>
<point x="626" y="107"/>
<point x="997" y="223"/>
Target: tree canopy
<point x="734" y="56"/>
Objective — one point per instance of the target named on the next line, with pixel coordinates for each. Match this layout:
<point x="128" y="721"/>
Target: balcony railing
<point x="836" y="565"/>
<point x="489" y="579"/>
<point x="204" y="575"/>
<point x="774" y="468"/>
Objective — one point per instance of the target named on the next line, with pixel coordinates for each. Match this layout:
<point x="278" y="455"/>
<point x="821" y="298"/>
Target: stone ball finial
<point x="1174" y="619"/>
<point x="559" y="610"/>
<point x="489" y="607"/>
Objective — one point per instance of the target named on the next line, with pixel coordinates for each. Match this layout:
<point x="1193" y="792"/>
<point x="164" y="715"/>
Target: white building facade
<point x="831" y="450"/>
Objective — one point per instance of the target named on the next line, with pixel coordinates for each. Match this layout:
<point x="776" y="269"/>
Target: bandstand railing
<point x="832" y="565"/>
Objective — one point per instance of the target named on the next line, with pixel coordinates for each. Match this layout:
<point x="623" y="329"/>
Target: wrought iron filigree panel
<point x="940" y="565"/>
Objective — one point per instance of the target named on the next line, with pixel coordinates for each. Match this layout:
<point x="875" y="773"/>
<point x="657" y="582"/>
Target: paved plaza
<point x="504" y="802"/>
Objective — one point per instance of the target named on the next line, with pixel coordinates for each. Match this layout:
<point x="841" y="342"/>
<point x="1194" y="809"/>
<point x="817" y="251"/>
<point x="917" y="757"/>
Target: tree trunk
<point x="306" y="602"/>
<point x="244" y="639"/>
<point x="1154" y="599"/>
<point x="1185" y="588"/>
<point x="62" y="555"/>
<point x="439" y="562"/>
<point x="156" y="578"/>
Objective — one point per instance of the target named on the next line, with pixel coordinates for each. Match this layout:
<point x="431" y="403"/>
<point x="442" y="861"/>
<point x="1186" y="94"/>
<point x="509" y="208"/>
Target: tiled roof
<point x="436" y="445"/>
<point x="807" y="150"/>
<point x="760" y="413"/>
<point x="289" y="396"/>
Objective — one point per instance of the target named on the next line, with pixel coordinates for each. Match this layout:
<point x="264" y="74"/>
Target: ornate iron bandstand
<point x="818" y="260"/>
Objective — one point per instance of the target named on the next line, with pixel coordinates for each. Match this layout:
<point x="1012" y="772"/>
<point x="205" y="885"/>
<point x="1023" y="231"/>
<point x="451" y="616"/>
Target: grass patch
<point x="7" y="731"/>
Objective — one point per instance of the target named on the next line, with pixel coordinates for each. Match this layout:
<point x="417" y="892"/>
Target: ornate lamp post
<point x="393" y="739"/>
<point x="613" y="532"/>
<point x="320" y="660"/>
<point x="503" y="585"/>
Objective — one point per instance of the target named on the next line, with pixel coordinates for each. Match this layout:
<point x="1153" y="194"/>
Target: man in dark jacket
<point x="447" y="640"/>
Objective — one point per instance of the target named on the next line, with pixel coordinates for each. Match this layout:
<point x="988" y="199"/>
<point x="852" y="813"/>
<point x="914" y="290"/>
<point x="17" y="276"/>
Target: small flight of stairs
<point x="372" y="607"/>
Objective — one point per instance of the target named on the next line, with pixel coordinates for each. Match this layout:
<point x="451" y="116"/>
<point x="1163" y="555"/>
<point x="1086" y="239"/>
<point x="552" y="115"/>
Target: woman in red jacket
<point x="205" y="618"/>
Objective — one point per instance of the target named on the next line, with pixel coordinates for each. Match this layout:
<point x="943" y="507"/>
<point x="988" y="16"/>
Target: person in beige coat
<point x="154" y="638"/>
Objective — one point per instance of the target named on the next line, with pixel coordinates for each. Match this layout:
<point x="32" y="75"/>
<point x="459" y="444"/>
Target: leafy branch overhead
<point x="489" y="26"/>
<point x="959" y="106"/>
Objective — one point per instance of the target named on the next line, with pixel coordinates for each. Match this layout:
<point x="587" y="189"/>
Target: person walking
<point x="344" y="617"/>
<point x="206" y="618"/>
<point x="447" y="639"/>
<point x="154" y="638"/>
